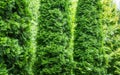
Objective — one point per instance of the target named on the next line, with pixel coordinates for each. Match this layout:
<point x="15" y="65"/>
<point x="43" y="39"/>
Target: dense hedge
<point x="53" y="39"/>
<point x="111" y="37"/>
<point x="45" y="37"/>
<point x="15" y="37"/>
<point x="88" y="49"/>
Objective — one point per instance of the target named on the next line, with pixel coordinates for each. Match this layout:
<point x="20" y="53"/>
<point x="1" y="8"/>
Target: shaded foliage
<point x="15" y="36"/>
<point x="88" y="49"/>
<point x="53" y="39"/>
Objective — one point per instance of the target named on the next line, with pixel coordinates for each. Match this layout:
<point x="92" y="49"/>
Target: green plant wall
<point x="15" y="37"/>
<point x="53" y="57"/>
<point x="111" y="37"/>
<point x="59" y="37"/>
<point x="88" y="43"/>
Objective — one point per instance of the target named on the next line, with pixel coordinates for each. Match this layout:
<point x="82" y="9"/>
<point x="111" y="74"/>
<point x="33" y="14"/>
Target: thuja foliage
<point x="34" y="10"/>
<point x="37" y="37"/>
<point x="88" y="44"/>
<point x="15" y="37"/>
<point x="53" y="39"/>
<point x="111" y="37"/>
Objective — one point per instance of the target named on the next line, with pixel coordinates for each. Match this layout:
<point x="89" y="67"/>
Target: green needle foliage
<point x="111" y="37"/>
<point x="15" y="37"/>
<point x="88" y="44"/>
<point x="3" y="70"/>
<point x="34" y="10"/>
<point x="59" y="37"/>
<point x="53" y="57"/>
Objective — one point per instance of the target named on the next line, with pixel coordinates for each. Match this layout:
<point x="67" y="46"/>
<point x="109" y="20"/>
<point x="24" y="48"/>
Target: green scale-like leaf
<point x="53" y="39"/>
<point x="88" y="52"/>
